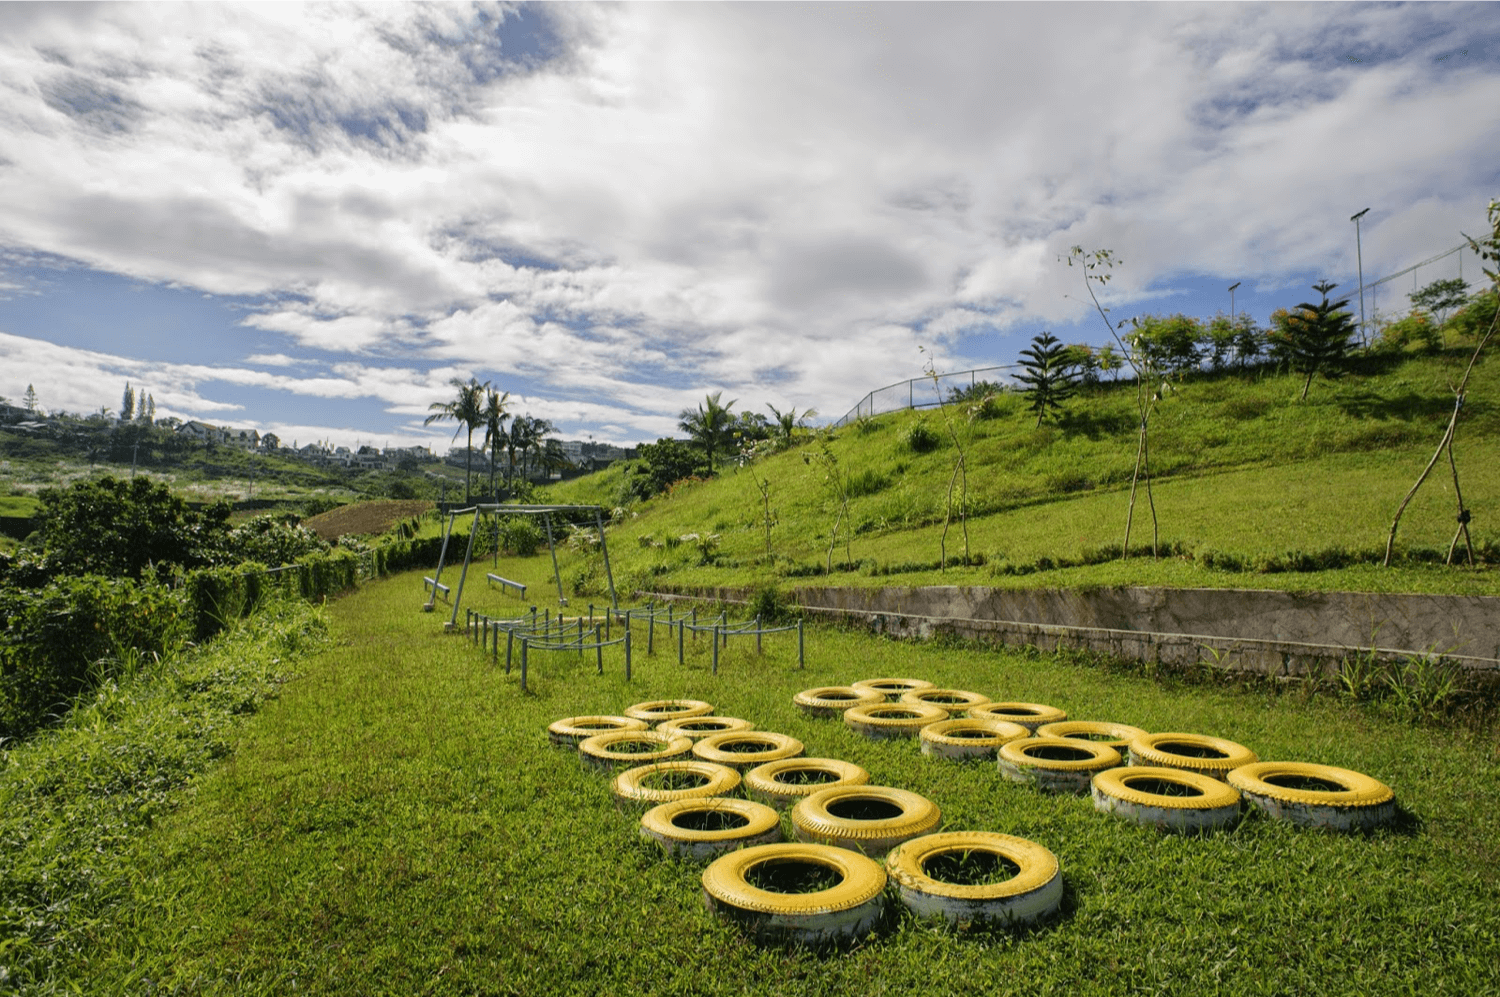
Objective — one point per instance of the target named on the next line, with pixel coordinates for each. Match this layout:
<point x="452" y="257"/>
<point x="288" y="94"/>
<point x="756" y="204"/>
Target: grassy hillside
<point x="1252" y="487"/>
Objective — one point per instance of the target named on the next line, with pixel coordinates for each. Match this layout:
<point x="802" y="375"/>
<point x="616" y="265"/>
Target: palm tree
<point x="495" y="435"/>
<point x="789" y="421"/>
<point x="535" y="438"/>
<point x="468" y="411"/>
<point x="710" y="425"/>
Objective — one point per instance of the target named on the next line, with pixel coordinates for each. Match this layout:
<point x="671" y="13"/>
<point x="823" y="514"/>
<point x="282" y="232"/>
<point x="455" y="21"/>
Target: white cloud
<point x="768" y="199"/>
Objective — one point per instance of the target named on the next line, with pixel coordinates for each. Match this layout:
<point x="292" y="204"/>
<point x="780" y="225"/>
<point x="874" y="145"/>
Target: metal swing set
<point x="497" y="509"/>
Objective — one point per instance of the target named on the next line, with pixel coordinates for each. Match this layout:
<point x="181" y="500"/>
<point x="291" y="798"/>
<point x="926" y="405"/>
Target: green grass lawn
<point x="395" y="822"/>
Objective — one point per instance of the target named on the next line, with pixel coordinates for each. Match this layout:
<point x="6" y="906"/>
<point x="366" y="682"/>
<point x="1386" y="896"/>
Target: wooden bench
<point x="506" y="583"/>
<point x="428" y="583"/>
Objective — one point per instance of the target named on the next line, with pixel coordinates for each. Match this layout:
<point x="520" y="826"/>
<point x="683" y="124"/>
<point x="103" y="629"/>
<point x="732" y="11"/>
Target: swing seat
<point x="506" y="583"/>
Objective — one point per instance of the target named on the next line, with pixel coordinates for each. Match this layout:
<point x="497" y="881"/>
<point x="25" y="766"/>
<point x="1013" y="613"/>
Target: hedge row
<point x="79" y="631"/>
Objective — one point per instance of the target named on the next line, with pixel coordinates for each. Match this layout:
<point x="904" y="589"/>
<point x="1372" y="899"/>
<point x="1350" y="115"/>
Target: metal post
<point x="591" y="614"/>
<point x="598" y="647"/>
<point x="495" y="646"/>
<point x="437" y="576"/>
<point x="1360" y="254"/>
<point x="468" y="551"/>
<point x="510" y="640"/>
<point x="716" y="649"/>
<point x="547" y="521"/>
<point x="650" y="635"/>
<point x="681" y="629"/>
<point x="604" y="549"/>
<point x="801" y="660"/>
<point x="524" y="642"/>
<point x="627" y="656"/>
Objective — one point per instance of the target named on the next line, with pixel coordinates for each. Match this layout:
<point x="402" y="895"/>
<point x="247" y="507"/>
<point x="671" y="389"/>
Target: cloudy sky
<point x="307" y="219"/>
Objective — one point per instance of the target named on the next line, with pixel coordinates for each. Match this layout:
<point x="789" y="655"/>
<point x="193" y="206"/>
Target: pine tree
<point x="127" y="403"/>
<point x="150" y="410"/>
<point x="1319" y="335"/>
<point x="30" y="399"/>
<point x="1047" y="374"/>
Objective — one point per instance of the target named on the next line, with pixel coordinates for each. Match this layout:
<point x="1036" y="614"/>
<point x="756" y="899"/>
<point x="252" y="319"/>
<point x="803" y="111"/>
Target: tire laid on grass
<point x="782" y="783"/>
<point x="969" y="737"/>
<point x="955" y="701"/>
<point x="625" y="749"/>
<point x="1169" y="799"/>
<point x="667" y="782"/>
<point x="1117" y="736"/>
<point x="1316" y="795"/>
<point x="702" y="829"/>
<point x="1028" y="715"/>
<point x="892" y="688"/>
<point x="657" y="710"/>
<point x="698" y="728"/>
<point x="1055" y="764"/>
<point x="742" y="750"/>
<point x="568" y="731"/>
<point x="1210" y="756"/>
<point x="833" y="700"/>
<point x="867" y="819"/>
<point x="1033" y="892"/>
<point x="888" y="720"/>
<point x="843" y="912"/>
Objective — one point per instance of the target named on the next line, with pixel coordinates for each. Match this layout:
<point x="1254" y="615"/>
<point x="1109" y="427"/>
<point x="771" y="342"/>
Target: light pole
<point x="1231" y="301"/>
<point x="1363" y="338"/>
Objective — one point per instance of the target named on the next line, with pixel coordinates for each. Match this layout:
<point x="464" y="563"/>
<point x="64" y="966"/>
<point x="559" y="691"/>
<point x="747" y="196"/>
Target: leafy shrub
<point x="520" y="536"/>
<point x="1418" y="329"/>
<point x="115" y="527"/>
<point x="974" y="393"/>
<point x="918" y="438"/>
<point x="55" y="637"/>
<point x="271" y="540"/>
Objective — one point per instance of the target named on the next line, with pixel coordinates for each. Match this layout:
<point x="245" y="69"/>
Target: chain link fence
<point x="927" y="392"/>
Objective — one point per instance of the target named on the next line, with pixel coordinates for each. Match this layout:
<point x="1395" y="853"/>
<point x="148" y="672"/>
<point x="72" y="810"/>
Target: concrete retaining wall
<point x="1268" y="632"/>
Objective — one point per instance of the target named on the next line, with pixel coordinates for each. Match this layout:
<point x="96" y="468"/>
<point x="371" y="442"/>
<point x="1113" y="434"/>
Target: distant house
<point x="12" y="413"/>
<point x="245" y="439"/>
<point x="204" y="432"/>
<point x="475" y="459"/>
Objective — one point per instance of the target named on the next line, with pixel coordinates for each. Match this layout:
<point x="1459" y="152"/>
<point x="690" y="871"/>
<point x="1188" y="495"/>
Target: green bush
<point x="918" y="438"/>
<point x="58" y="640"/>
<point x="520" y="536"/>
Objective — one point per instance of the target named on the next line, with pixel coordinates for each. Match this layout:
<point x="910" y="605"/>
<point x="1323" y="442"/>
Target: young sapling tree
<point x="1488" y="249"/>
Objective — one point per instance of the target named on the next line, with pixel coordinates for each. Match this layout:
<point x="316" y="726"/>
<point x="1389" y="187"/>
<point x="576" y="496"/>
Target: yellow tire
<point x="782" y="783"/>
<point x="1055" y="764"/>
<point x="1028" y="715"/>
<point x="1316" y="795"/>
<point x="1117" y="736"/>
<point x="1211" y="756"/>
<point x="888" y="720"/>
<point x="658" y="710"/>
<point x="923" y="869"/>
<point x="746" y="749"/>
<point x="667" y="782"/>
<point x="867" y="819"/>
<point x="570" y="730"/>
<point x="967" y="737"/>
<point x="702" y="829"/>
<point x="955" y="701"/>
<point x="1169" y="799"/>
<point x="625" y="749"/>
<point x="735" y="887"/>
<point x="698" y="728"/>
<point x="833" y="700"/>
<point x="892" y="689"/>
